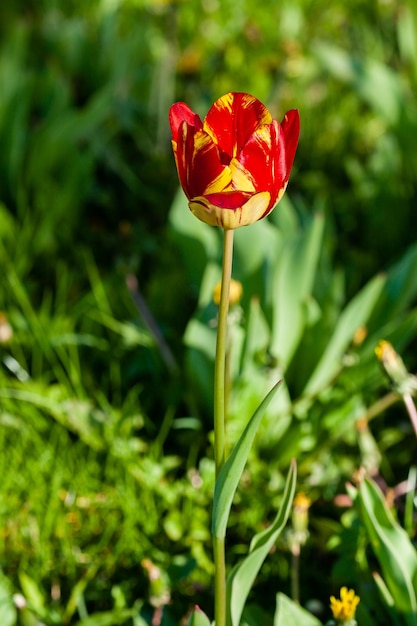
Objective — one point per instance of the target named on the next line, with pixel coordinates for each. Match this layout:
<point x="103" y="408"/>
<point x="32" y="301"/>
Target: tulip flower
<point x="233" y="167"/>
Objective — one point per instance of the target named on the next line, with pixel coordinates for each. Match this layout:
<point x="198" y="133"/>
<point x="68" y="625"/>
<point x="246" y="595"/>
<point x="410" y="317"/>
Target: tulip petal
<point x="290" y="126"/>
<point x="181" y="112"/>
<point x="233" y="118"/>
<point x="233" y="167"/>
<point x="258" y="155"/>
<point x="227" y="200"/>
<point x="285" y="139"/>
<point x="242" y="179"/>
<point x="221" y="184"/>
<point x="198" y="164"/>
<point x="254" y="207"/>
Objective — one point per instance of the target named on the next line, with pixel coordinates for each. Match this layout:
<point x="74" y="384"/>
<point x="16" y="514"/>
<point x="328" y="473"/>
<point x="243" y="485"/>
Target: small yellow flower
<point x="385" y="352"/>
<point x="344" y="609"/>
<point x="301" y="501"/>
<point x="299" y="532"/>
<point x="359" y="336"/>
<point x="6" y="331"/>
<point x="236" y="291"/>
<point x="403" y="382"/>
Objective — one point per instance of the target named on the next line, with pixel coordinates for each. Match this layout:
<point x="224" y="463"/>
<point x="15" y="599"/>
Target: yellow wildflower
<point x="301" y="501"/>
<point x="359" y="336"/>
<point x="6" y="331"/>
<point x="345" y="608"/>
<point x="383" y="349"/>
<point x="403" y="382"/>
<point x="236" y="291"/>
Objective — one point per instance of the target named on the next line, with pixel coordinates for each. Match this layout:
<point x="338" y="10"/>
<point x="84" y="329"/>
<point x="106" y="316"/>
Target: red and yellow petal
<point x="235" y="166"/>
<point x="257" y="156"/>
<point x="230" y="210"/>
<point x="233" y="118"/>
<point x="241" y="178"/>
<point x="284" y="146"/>
<point x="179" y="113"/>
<point x="197" y="160"/>
<point x="290" y="127"/>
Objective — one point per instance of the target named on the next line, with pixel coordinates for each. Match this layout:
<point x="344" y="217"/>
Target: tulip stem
<point x="221" y="351"/>
<point x="219" y="420"/>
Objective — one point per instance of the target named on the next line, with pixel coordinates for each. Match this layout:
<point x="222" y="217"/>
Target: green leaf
<point x="198" y="618"/>
<point x="262" y="239"/>
<point x="257" y="337"/>
<point x="241" y="578"/>
<point x="33" y="594"/>
<point x="388" y="600"/>
<point x="108" y="618"/>
<point x="376" y="83"/>
<point x="410" y="498"/>
<point x="231" y="471"/>
<point x="400" y="290"/>
<point x="254" y="615"/>
<point x="197" y="242"/>
<point x="393" y="549"/>
<point x="289" y="613"/>
<point x="7" y="607"/>
<point x="383" y="590"/>
<point x="293" y="284"/>
<point x="354" y="315"/>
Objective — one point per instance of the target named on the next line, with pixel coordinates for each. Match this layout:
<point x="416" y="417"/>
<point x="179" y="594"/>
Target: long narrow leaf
<point x="231" y="472"/>
<point x="387" y="598"/>
<point x="356" y="314"/>
<point x="198" y="618"/>
<point x="241" y="578"/>
<point x="293" y="284"/>
<point x="393" y="549"/>
<point x="289" y="613"/>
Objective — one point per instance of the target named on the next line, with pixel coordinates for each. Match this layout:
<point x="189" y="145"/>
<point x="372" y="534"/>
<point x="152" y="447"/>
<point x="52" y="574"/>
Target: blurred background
<point x="106" y="319"/>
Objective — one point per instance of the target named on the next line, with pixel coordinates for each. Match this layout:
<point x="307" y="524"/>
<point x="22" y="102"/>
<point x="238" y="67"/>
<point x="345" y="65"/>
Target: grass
<point x="107" y="320"/>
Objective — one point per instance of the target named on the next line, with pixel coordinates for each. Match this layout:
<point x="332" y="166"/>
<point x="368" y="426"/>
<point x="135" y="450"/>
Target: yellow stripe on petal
<point x="202" y="141"/>
<point x="223" y="104"/>
<point x="252" y="211"/>
<point x="263" y="137"/>
<point x="241" y="178"/>
<point x="264" y="116"/>
<point x="223" y="182"/>
<point x="233" y="118"/>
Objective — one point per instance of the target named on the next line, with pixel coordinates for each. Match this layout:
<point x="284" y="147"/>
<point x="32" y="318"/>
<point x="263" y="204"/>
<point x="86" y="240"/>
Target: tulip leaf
<point x="355" y="314"/>
<point x="231" y="471"/>
<point x="400" y="289"/>
<point x="198" y="618"/>
<point x="262" y="239"/>
<point x="293" y="284"/>
<point x="376" y="83"/>
<point x="197" y="242"/>
<point x="288" y="612"/>
<point x="241" y="578"/>
<point x="257" y="337"/>
<point x="8" y="613"/>
<point x="393" y="549"/>
<point x="383" y="590"/>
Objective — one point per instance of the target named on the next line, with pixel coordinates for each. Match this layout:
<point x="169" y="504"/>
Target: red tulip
<point x="233" y="167"/>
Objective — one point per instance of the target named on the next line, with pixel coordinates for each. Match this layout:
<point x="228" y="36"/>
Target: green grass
<point x="106" y="385"/>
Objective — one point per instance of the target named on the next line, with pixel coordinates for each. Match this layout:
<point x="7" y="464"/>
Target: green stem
<point x="411" y="409"/>
<point x="221" y="349"/>
<point x="295" y="572"/>
<point x="381" y="405"/>
<point x="219" y="421"/>
<point x="219" y="581"/>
